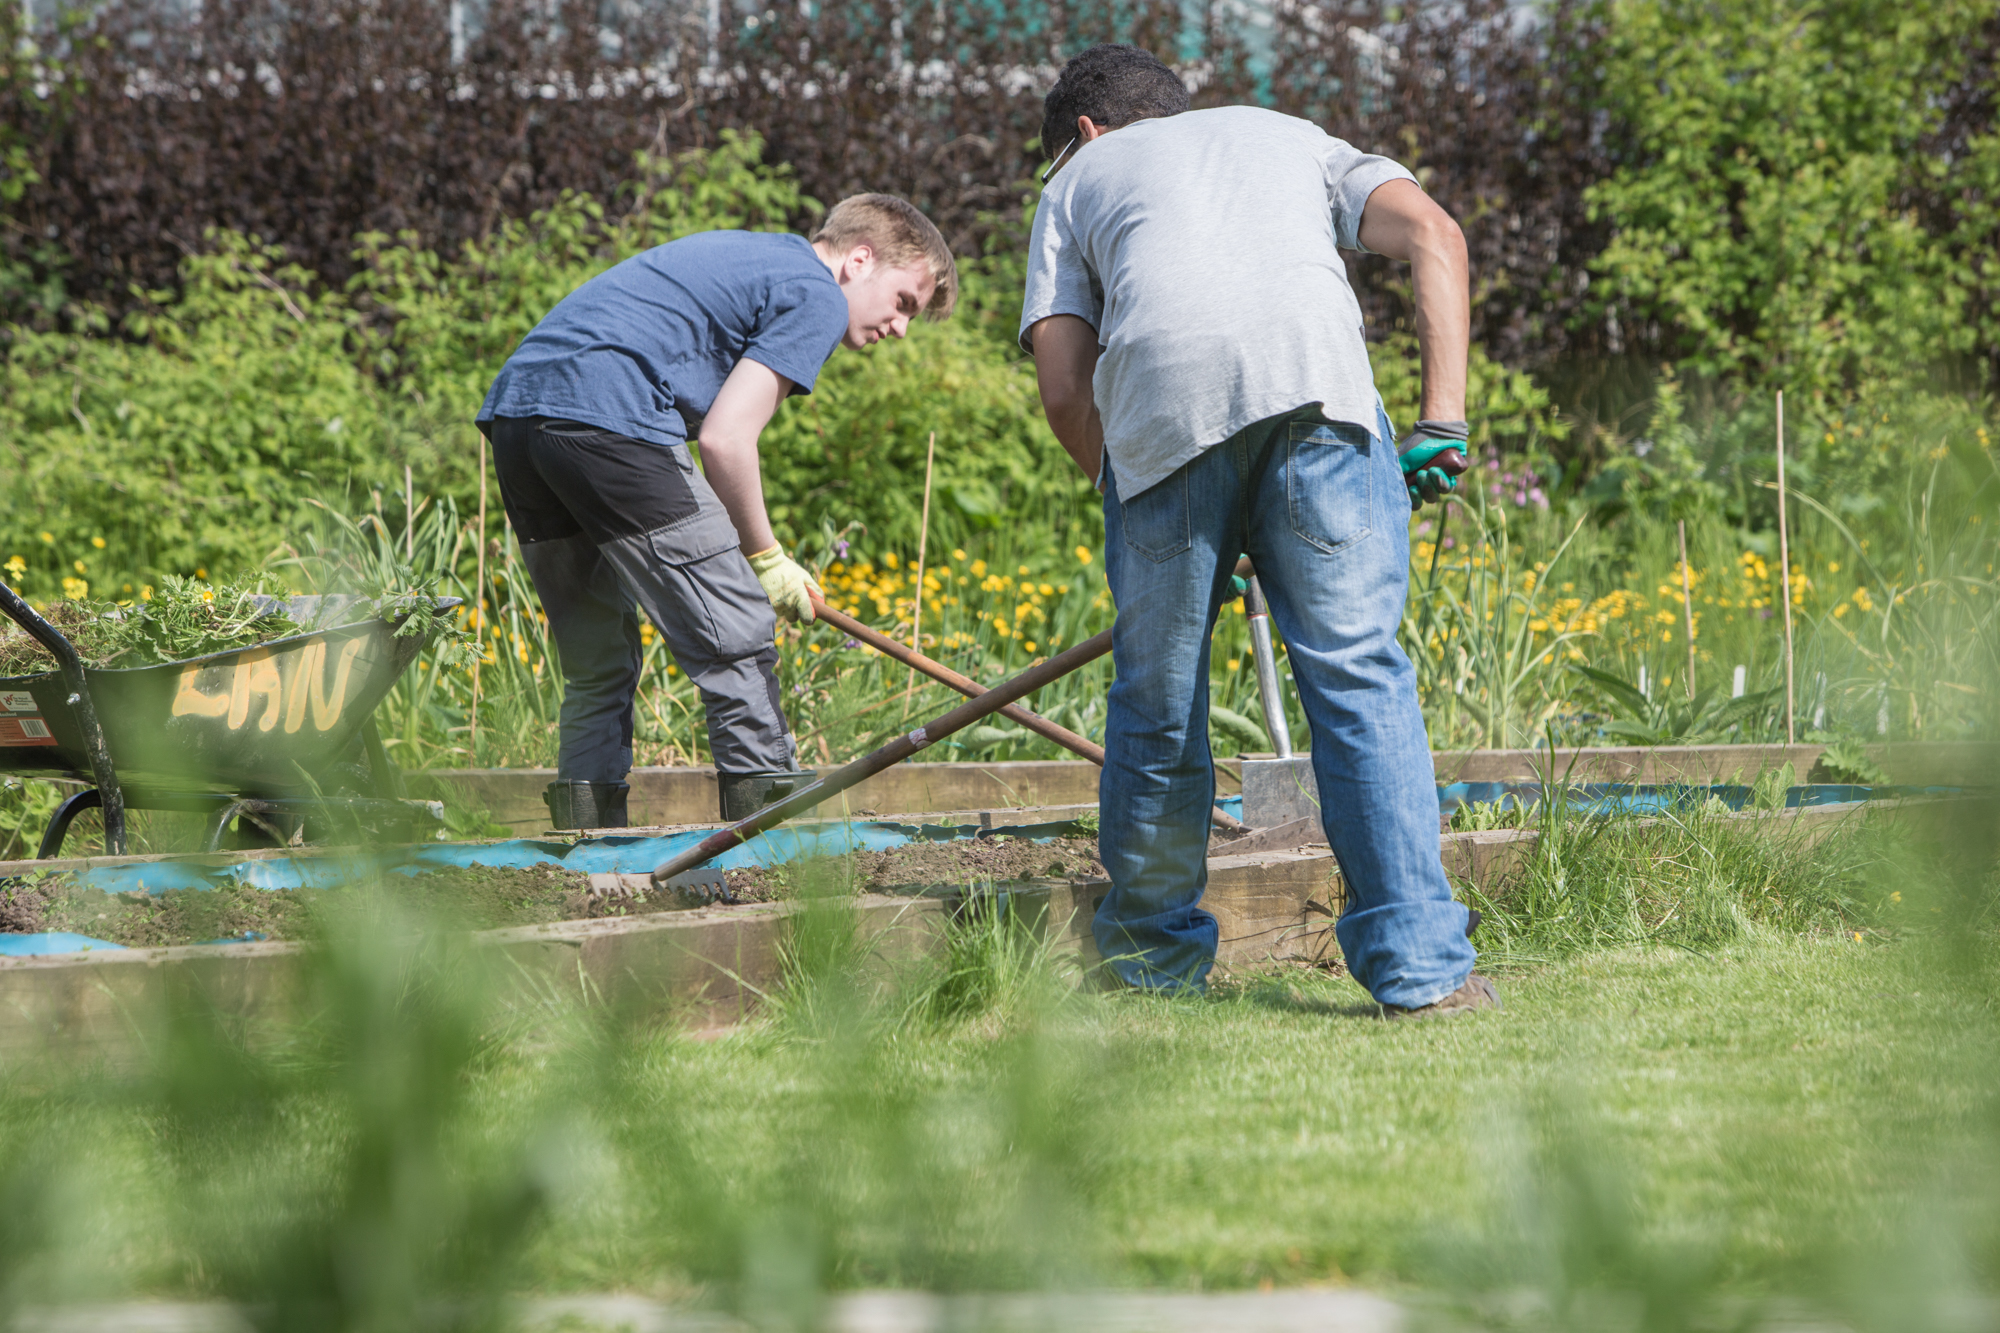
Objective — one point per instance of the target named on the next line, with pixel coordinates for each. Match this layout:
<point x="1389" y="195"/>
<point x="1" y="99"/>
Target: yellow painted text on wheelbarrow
<point x="258" y="688"/>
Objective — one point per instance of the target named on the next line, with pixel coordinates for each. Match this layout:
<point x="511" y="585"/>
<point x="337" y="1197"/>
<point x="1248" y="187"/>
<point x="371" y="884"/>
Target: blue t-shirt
<point x="642" y="348"/>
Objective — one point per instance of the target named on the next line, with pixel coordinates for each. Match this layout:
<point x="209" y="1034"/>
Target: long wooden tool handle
<point x="895" y="752"/>
<point x="965" y="685"/>
<point x="972" y="689"/>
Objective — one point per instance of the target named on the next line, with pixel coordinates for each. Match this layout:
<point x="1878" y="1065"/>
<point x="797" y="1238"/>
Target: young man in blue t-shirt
<point x="698" y="339"/>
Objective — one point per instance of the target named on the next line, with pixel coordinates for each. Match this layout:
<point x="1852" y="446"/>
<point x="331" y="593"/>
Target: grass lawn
<point x="1766" y="1108"/>
<point x="1787" y="1112"/>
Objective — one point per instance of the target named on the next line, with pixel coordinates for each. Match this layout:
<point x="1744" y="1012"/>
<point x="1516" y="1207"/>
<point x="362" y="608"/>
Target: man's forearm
<point x="732" y="470"/>
<point x="1402" y="222"/>
<point x="1081" y="434"/>
<point x="1438" y="272"/>
<point x="1065" y="369"/>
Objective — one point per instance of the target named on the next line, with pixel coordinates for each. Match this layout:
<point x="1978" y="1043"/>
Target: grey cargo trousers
<point x="608" y="523"/>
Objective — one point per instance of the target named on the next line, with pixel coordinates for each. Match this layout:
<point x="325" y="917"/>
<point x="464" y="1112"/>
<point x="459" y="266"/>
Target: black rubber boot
<point x="744" y="794"/>
<point x="586" y="804"/>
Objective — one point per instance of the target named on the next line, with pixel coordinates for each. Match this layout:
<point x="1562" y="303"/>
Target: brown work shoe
<point x="1476" y="993"/>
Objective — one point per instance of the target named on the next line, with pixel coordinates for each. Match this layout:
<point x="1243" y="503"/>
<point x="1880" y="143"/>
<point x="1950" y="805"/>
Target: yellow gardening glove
<point x="786" y="583"/>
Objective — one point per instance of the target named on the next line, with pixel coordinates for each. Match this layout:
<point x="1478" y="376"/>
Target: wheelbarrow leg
<point x="52" y="837"/>
<point x="51" y="638"/>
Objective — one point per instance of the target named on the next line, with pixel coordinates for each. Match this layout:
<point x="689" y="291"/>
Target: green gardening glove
<point x="1419" y="455"/>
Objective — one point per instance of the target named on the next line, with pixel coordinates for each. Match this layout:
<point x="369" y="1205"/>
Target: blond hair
<point x="899" y="235"/>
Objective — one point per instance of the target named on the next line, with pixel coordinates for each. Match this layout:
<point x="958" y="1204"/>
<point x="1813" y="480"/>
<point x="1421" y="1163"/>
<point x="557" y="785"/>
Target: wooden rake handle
<point x="965" y="685"/>
<point x="972" y="689"/>
<point x="895" y="752"/>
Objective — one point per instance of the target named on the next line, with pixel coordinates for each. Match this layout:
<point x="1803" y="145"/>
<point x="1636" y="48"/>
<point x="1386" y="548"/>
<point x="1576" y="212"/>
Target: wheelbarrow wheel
<point x="65" y="814"/>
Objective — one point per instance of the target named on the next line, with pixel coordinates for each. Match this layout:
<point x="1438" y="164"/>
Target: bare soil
<point x="923" y="865"/>
<point x="489" y="897"/>
<point x="470" y="898"/>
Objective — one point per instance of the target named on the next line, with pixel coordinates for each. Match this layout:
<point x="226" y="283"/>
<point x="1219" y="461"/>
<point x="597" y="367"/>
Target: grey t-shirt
<point x="1202" y="248"/>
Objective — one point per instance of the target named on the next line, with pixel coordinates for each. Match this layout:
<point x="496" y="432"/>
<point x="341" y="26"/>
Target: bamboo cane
<point x="923" y="539"/>
<point x="1785" y="581"/>
<point x="895" y="752"/>
<point x="479" y="606"/>
<point x="1687" y="606"/>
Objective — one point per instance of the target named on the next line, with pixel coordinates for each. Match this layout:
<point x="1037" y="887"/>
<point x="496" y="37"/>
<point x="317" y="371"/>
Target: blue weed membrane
<point x="625" y="855"/>
<point x="638" y="853"/>
<point x="50" y="941"/>
<point x="1624" y="798"/>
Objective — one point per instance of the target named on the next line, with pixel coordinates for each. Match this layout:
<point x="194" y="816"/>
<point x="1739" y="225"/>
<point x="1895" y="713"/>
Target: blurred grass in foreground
<point x="1761" y="1112"/>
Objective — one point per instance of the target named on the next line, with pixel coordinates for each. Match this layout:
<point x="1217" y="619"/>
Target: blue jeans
<point x="1323" y="512"/>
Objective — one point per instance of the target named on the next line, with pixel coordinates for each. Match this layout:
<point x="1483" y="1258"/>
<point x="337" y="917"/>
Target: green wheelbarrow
<point x="265" y="738"/>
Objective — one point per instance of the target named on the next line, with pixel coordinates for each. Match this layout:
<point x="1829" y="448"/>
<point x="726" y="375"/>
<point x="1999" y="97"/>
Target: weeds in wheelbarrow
<point x="181" y="619"/>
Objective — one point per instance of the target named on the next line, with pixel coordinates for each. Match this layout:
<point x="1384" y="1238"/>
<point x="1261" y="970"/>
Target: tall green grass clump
<point x="1697" y="876"/>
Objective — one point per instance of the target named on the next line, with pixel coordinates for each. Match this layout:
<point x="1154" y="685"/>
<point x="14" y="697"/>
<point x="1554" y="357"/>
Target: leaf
<point x="1622" y="691"/>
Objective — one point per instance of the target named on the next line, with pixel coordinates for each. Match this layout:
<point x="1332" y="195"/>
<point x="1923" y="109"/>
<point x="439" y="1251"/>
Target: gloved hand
<point x="1417" y="452"/>
<point x="786" y="583"/>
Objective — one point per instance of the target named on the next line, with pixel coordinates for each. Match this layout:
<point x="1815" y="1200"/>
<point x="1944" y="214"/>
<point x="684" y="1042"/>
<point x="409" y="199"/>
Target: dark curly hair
<point x="1114" y="86"/>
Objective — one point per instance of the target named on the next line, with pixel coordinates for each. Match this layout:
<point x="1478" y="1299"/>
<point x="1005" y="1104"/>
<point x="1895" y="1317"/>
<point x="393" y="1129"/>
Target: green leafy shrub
<point x="1765" y="217"/>
<point x="190" y="442"/>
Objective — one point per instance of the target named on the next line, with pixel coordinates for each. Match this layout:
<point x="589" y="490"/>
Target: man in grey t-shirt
<point x="1200" y="355"/>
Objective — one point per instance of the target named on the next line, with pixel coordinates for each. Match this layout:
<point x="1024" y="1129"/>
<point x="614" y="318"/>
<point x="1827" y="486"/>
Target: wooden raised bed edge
<point x="666" y="796"/>
<point x="704" y="968"/>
